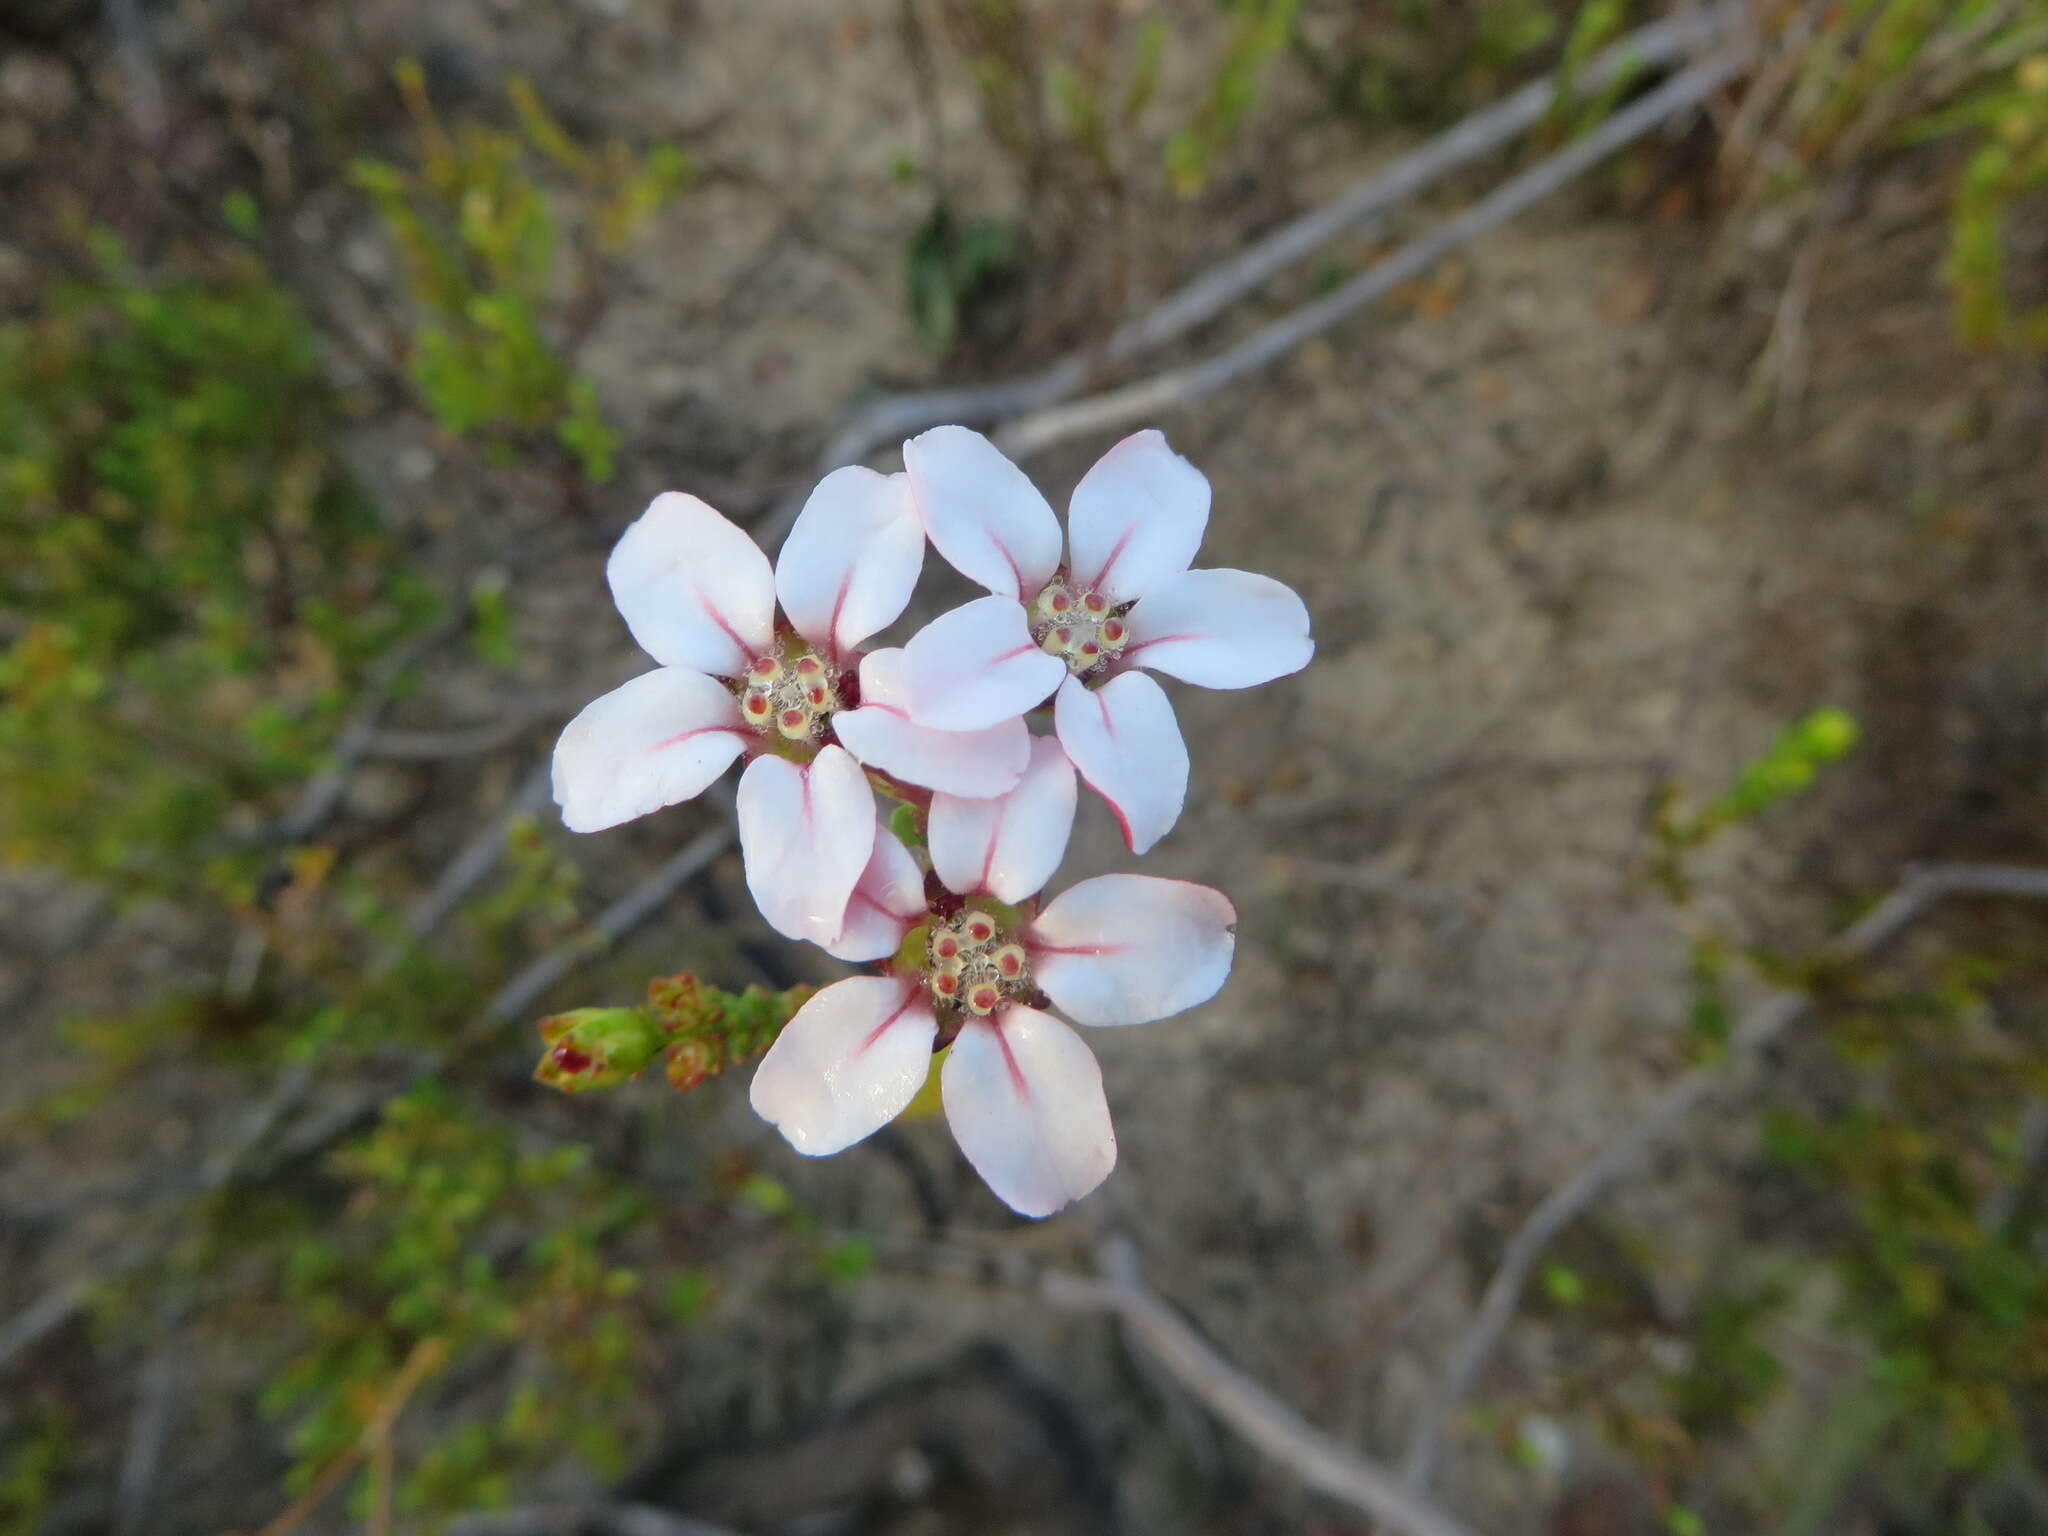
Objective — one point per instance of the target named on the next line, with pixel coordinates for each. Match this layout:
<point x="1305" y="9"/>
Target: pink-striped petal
<point x="882" y="734"/>
<point x="976" y="667"/>
<point x="806" y="834"/>
<point x="1125" y="741"/>
<point x="1221" y="629"/>
<point x="982" y="512"/>
<point x="1127" y="949"/>
<point x="1010" y="845"/>
<point x="1136" y="518"/>
<point x="692" y="587"/>
<point x="851" y="559"/>
<point x="888" y="901"/>
<point x="655" y="741"/>
<point x="1023" y="1095"/>
<point x="847" y="1064"/>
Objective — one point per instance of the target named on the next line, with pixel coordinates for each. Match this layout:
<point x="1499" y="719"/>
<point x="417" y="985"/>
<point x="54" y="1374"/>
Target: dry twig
<point x="1921" y="889"/>
<point x="1178" y="387"/>
<point x="1241" y="1402"/>
<point x="1201" y="300"/>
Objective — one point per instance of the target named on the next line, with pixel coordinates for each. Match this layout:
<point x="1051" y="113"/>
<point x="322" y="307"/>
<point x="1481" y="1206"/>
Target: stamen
<point x="794" y="723"/>
<point x="1009" y="961"/>
<point x="982" y="999"/>
<point x="764" y="669"/>
<point x="979" y="927"/>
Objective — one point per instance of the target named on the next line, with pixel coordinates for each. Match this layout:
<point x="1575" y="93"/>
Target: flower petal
<point x="692" y="587"/>
<point x="888" y="901"/>
<point x="1024" y="1097"/>
<point x="851" y="559"/>
<point x="1221" y="629"/>
<point x="982" y="512"/>
<point x="882" y="734"/>
<point x="977" y="666"/>
<point x="1136" y="518"/>
<point x="847" y="1064"/>
<point x="806" y="834"/>
<point x="1127" y="744"/>
<point x="1008" y="846"/>
<point x="655" y="741"/>
<point x="1127" y="949"/>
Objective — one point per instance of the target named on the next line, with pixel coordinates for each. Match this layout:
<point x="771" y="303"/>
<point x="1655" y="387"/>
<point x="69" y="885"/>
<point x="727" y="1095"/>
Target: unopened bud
<point x="596" y="1047"/>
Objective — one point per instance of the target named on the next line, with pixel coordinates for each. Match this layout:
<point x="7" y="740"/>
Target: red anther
<point x="984" y="997"/>
<point x="795" y="720"/>
<point x="1059" y="602"/>
<point x="980" y="929"/>
<point x="809" y="666"/>
<point x="945" y="946"/>
<point x="1113" y="631"/>
<point x="571" y="1060"/>
<point x="757" y="705"/>
<point x="945" y="984"/>
<point x="815" y="697"/>
<point x="1088" y="650"/>
<point x="766" y="668"/>
<point x="1095" y="603"/>
<point x="1010" y="962"/>
<point x="1062" y="637"/>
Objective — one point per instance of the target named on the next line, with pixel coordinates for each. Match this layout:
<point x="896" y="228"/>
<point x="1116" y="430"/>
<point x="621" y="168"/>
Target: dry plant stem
<point x="889" y="420"/>
<point x="1150" y="398"/>
<point x="1921" y="889"/>
<point x="612" y="924"/>
<point x="1242" y="1403"/>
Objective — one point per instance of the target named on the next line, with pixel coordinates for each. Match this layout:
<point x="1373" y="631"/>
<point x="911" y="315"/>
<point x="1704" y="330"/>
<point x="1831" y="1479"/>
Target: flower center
<point x="788" y="692"/>
<point x="1081" y="627"/>
<point x="972" y="965"/>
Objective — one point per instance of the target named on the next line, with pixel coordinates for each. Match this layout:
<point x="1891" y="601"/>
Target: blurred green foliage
<point x="193" y="587"/>
<point x="461" y="1241"/>
<point x="481" y="237"/>
<point x="1259" y="31"/>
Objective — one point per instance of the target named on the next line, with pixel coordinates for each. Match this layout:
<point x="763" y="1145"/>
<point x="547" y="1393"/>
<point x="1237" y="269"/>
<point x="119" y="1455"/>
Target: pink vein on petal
<point x="877" y="1032"/>
<point x="1017" y="1079"/>
<point x="696" y="730"/>
<point x="1116" y="553"/>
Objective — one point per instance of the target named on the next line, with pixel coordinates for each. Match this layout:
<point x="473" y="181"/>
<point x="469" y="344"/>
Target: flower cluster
<point x="967" y="956"/>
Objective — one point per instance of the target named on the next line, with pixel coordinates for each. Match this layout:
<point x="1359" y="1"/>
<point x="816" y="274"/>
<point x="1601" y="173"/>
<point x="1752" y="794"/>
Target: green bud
<point x="596" y="1047"/>
<point x="1829" y="733"/>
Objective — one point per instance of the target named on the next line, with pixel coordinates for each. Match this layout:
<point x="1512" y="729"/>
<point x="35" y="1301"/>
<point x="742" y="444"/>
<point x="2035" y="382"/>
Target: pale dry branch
<point x="1175" y="388"/>
<point x="887" y="421"/>
<point x="1242" y="1403"/>
<point x="1922" y="888"/>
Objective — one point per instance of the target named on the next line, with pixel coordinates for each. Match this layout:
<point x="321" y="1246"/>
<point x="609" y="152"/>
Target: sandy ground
<point x="1555" y="560"/>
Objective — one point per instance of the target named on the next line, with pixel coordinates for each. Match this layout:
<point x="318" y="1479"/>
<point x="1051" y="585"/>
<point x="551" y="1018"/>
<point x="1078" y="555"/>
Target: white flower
<point x="797" y="696"/>
<point x="976" y="966"/>
<point x="1124" y="598"/>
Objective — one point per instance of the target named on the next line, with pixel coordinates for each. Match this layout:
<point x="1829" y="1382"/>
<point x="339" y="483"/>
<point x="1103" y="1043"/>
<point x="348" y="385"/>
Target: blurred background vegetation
<point x="329" y="350"/>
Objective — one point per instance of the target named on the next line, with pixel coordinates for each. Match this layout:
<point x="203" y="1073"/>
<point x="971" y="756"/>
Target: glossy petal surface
<point x="1136" y="518"/>
<point x="851" y="559"/>
<point x="888" y="901"/>
<point x="977" y="666"/>
<point x="655" y="741"/>
<point x="982" y="513"/>
<point x="806" y="834"/>
<point x="1127" y="949"/>
<point x="1024" y="1098"/>
<point x="1008" y="845"/>
<point x="1125" y="741"/>
<point x="881" y="732"/>
<point x="693" y="588"/>
<point x="846" y="1064"/>
<point x="1221" y="629"/>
